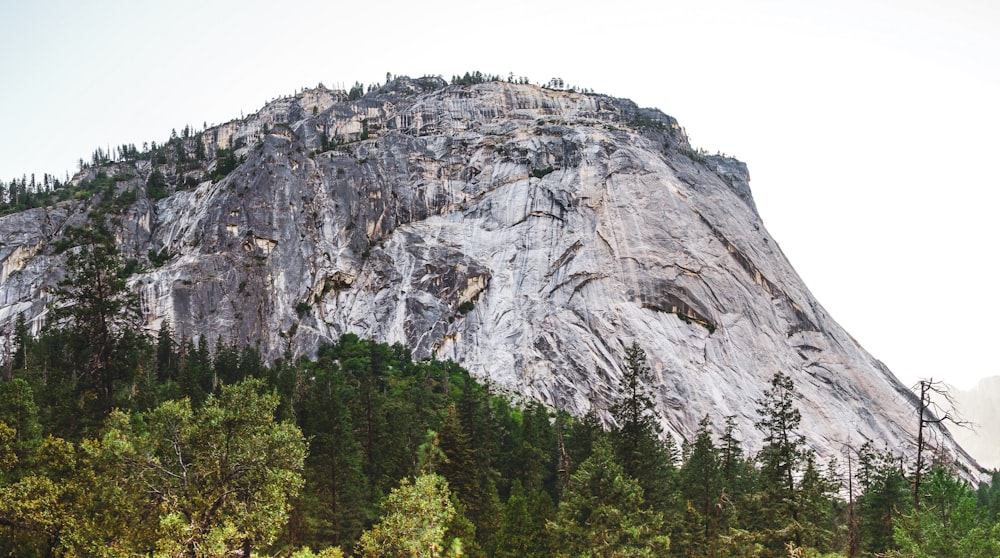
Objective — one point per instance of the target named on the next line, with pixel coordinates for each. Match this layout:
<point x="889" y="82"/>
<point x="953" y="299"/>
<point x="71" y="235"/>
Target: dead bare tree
<point x="930" y="412"/>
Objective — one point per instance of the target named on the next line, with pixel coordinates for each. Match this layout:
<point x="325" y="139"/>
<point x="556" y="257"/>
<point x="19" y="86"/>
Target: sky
<point x="871" y="128"/>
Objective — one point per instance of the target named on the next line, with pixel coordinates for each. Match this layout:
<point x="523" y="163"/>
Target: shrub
<point x="302" y="308"/>
<point x="538" y="173"/>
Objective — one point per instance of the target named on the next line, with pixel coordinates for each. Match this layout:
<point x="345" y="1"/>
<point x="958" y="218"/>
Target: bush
<point x="538" y="173"/>
<point x="225" y="163"/>
<point x="157" y="259"/>
<point x="156" y="185"/>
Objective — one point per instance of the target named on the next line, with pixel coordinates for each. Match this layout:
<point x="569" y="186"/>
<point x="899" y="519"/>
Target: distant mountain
<point x="981" y="406"/>
<point x="531" y="234"/>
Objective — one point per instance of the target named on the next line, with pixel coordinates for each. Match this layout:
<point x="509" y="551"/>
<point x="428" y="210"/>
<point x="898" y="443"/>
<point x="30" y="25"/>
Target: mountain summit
<point x="530" y="234"/>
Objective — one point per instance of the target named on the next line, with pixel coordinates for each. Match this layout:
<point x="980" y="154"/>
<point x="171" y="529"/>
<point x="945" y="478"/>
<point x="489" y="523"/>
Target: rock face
<point x="528" y="234"/>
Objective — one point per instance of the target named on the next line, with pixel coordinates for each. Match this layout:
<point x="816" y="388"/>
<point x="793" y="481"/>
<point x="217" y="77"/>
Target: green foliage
<point x="948" y="524"/>
<point x="603" y="513"/>
<point x="988" y="496"/>
<point x="468" y="472"/>
<point x="326" y="144"/>
<point x="8" y="454"/>
<point x="697" y="155"/>
<point x="226" y="162"/>
<point x="302" y="308"/>
<point x="19" y="413"/>
<point x="199" y="148"/>
<point x="156" y="185"/>
<point x="93" y="326"/>
<point x="701" y="486"/>
<point x="44" y="509"/>
<point x="77" y="478"/>
<point x="780" y="461"/>
<point x="414" y="522"/>
<point x="157" y="259"/>
<point x="522" y="527"/>
<point x="465" y="307"/>
<point x="178" y="481"/>
<point x="474" y="78"/>
<point x="357" y="91"/>
<point x="642" y="121"/>
<point x="539" y="173"/>
<point x="816" y="508"/>
<point x="636" y="439"/>
<point x="885" y="493"/>
<point x="306" y="552"/>
<point x="338" y="500"/>
<point x="221" y="476"/>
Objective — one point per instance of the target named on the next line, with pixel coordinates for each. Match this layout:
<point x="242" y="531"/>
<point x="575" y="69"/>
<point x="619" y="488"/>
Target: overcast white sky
<point x="870" y="127"/>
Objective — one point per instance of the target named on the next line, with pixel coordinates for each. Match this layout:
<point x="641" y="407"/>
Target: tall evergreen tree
<point x="472" y="483"/>
<point x="539" y="449"/>
<point x="338" y="497"/>
<point x="98" y="318"/>
<point x="522" y="528"/>
<point x="579" y="438"/>
<point x="738" y="475"/>
<point x="166" y="355"/>
<point x="701" y="482"/>
<point x="636" y="439"/>
<point x="780" y="460"/>
<point x="884" y="493"/>
<point x="604" y="514"/>
<point x="815" y="503"/>
<point x="22" y="340"/>
<point x="19" y="412"/>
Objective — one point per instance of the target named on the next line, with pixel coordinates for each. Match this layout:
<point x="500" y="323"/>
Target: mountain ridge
<point x="528" y="233"/>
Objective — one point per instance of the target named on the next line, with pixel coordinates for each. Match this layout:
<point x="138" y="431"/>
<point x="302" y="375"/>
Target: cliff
<point x="529" y="234"/>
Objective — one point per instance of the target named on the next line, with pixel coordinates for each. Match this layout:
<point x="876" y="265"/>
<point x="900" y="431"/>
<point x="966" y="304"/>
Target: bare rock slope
<point x="529" y="234"/>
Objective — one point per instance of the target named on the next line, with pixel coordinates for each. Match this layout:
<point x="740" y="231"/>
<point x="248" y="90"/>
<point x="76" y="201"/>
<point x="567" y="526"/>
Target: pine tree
<point x="579" y="438"/>
<point x="637" y="437"/>
<point x="166" y="355"/>
<point x="701" y="481"/>
<point x="687" y="535"/>
<point x="522" y="527"/>
<point x="604" y="513"/>
<point x="738" y="476"/>
<point x="816" y="506"/>
<point x="883" y="495"/>
<point x="199" y="148"/>
<point x="22" y="340"/>
<point x="948" y="524"/>
<point x="780" y="459"/>
<point x="98" y="317"/>
<point x="472" y="483"/>
<point x="339" y="494"/>
<point x="536" y="463"/>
